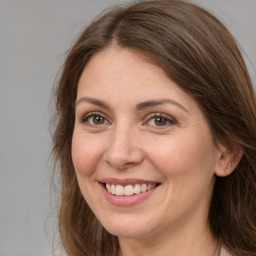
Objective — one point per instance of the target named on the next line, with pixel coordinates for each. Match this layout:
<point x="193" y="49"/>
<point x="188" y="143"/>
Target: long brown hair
<point x="197" y="52"/>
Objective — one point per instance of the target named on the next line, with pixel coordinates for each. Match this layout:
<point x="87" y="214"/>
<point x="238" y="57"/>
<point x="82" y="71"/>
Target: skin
<point x="128" y="142"/>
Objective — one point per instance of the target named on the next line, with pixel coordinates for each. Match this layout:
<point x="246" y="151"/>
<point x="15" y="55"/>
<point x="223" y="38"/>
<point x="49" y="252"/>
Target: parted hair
<point x="196" y="51"/>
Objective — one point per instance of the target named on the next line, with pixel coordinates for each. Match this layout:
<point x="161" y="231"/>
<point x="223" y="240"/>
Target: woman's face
<point x="142" y="149"/>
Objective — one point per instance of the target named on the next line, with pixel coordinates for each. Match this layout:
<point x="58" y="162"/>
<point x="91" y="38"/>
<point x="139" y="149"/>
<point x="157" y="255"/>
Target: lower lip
<point x="127" y="200"/>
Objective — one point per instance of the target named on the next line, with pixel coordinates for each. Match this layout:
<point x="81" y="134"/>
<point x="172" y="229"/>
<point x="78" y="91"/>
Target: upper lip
<point x="128" y="181"/>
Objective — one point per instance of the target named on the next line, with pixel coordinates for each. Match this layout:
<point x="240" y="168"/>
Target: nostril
<point x="123" y="159"/>
<point x="121" y="152"/>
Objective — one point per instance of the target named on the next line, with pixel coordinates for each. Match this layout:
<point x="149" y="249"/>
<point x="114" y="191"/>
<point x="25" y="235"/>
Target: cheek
<point x="86" y="153"/>
<point x="187" y="163"/>
<point x="186" y="155"/>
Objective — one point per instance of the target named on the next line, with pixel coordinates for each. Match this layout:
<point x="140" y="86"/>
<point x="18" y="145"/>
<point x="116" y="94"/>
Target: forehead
<point x="121" y="73"/>
<point x="118" y="63"/>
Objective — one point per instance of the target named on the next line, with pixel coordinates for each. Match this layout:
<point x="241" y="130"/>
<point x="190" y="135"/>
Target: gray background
<point x="34" y="36"/>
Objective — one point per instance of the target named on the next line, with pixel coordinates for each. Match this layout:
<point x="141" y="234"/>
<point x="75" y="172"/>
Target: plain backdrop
<point x="34" y="37"/>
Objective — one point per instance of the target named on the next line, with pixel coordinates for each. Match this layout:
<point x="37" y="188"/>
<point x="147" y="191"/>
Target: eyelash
<point x="165" y="118"/>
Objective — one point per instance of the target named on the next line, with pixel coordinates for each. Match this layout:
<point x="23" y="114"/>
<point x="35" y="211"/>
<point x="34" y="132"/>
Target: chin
<point x="129" y="228"/>
<point x="128" y="233"/>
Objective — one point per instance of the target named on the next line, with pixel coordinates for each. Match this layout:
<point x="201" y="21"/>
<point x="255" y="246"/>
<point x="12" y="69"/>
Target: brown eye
<point x="95" y="119"/>
<point x="98" y="120"/>
<point x="160" y="121"/>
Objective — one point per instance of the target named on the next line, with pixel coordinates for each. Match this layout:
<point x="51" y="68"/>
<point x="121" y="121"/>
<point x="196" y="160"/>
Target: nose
<point x="123" y="150"/>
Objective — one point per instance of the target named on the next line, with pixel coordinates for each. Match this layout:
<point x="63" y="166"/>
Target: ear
<point x="229" y="157"/>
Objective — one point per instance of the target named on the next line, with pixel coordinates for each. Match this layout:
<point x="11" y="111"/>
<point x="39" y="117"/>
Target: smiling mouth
<point x="129" y="189"/>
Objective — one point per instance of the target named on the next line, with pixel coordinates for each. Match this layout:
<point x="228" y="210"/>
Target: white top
<point x="223" y="252"/>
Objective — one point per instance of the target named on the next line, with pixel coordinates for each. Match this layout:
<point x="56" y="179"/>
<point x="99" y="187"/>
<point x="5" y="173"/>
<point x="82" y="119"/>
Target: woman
<point x="155" y="136"/>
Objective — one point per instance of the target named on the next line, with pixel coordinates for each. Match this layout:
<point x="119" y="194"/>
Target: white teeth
<point x="137" y="189"/>
<point x="128" y="190"/>
<point x="119" y="190"/>
<point x="144" y="188"/>
<point x="108" y="186"/>
<point x="113" y="189"/>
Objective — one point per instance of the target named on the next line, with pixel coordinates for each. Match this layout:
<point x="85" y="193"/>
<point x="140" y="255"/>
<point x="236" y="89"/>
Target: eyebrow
<point x="152" y="103"/>
<point x="140" y="106"/>
<point x="93" y="101"/>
